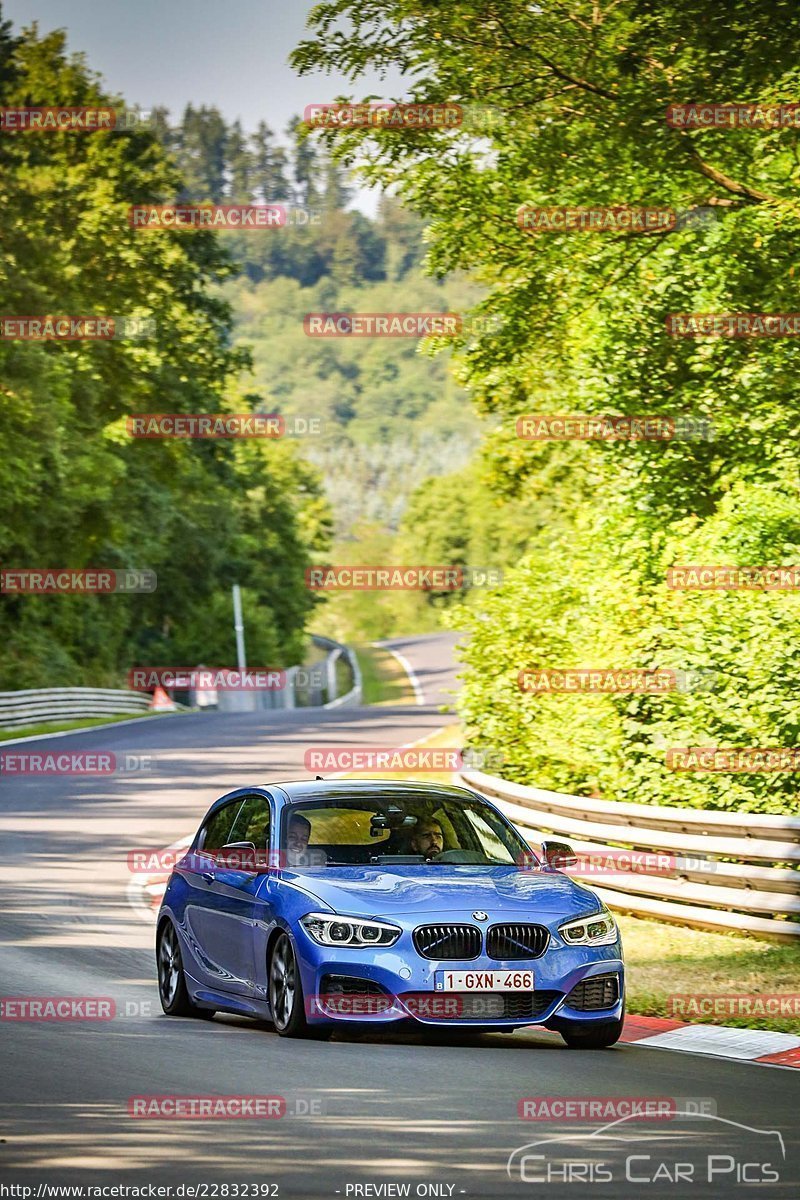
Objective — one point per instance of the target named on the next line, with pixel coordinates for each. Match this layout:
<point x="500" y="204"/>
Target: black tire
<point x="286" y="1000"/>
<point x="596" y="1037"/>
<point x="172" y="990"/>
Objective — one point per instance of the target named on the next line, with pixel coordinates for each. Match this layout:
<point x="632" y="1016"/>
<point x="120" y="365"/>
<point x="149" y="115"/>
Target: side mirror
<point x="558" y="856"/>
<point x="242" y="856"/>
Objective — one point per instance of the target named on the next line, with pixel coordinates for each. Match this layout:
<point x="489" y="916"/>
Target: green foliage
<point x="578" y="96"/>
<point x="602" y="601"/>
<point x="75" y="490"/>
<point x="224" y="164"/>
<point x="391" y="414"/>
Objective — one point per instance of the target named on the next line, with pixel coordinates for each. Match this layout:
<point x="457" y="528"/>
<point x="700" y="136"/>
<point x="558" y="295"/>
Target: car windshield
<point x="388" y="828"/>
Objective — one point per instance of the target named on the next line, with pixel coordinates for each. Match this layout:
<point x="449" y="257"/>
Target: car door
<point x="198" y="869"/>
<point x="223" y="913"/>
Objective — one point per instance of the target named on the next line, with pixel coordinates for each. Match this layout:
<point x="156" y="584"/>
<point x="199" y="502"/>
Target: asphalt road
<point x="362" y="1112"/>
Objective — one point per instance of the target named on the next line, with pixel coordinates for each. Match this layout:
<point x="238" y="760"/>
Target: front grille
<point x="516" y="941"/>
<point x="447" y="941"/>
<point x="479" y="1006"/>
<point x="590" y="995"/>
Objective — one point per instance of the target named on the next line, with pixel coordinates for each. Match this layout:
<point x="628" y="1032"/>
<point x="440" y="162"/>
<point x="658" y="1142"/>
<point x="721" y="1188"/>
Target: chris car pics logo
<point x="695" y="1147"/>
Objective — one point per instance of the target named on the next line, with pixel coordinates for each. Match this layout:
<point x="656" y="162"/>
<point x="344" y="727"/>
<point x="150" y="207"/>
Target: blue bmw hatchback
<point x="318" y="904"/>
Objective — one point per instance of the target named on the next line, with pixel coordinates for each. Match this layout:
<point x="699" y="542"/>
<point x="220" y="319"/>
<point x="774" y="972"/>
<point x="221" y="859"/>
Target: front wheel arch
<point x="295" y="1024"/>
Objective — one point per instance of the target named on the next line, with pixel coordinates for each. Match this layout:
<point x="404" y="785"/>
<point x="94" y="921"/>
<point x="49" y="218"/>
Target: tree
<point x="268" y="166"/>
<point x="239" y="165"/>
<point x="202" y="154"/>
<point x="75" y="489"/>
<point x="566" y="105"/>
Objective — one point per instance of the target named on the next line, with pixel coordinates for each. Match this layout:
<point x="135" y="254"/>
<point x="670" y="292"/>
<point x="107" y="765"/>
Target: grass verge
<point x="665" y="960"/>
<point x="383" y="679"/>
<point x="65" y="726"/>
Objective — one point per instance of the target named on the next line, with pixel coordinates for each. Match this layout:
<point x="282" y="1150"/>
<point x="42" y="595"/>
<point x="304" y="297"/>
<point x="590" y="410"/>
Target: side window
<point x="252" y="823"/>
<point x="215" y="834"/>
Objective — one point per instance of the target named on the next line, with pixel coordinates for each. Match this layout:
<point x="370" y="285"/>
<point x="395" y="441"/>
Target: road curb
<point x="764" y="1046"/>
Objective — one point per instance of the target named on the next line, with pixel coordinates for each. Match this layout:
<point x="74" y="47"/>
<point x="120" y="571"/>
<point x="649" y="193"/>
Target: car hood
<point x="374" y="892"/>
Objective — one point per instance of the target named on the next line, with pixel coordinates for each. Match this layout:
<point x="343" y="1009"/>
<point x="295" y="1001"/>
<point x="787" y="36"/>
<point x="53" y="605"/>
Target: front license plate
<point x="483" y="981"/>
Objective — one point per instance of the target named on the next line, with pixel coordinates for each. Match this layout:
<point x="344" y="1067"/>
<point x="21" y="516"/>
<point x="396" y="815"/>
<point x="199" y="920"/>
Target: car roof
<point x="297" y="790"/>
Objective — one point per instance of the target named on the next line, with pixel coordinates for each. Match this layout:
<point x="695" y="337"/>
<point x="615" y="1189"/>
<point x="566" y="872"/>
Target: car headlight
<point x="329" y="929"/>
<point x="600" y="929"/>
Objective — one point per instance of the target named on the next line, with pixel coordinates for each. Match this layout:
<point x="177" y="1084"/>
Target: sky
<point x="230" y="54"/>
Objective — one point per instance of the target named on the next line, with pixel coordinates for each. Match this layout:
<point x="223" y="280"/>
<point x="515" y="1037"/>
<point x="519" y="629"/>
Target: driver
<point x="427" y="839"/>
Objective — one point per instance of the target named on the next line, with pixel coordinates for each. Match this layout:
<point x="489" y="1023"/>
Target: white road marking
<point x="409" y="670"/>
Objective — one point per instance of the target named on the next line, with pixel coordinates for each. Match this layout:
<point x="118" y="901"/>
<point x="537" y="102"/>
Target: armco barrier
<point x="741" y="894"/>
<point x="40" y="705"/>
<point x="321" y="692"/>
<point x="338" y="651"/>
<point x="36" y="706"/>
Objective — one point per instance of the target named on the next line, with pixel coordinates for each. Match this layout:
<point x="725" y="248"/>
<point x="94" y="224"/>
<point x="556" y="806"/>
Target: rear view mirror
<point x="392" y="817"/>
<point x="559" y="855"/>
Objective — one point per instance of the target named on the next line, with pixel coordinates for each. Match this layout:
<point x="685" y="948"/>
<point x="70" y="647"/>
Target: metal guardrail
<point x="35" y="706"/>
<point x="339" y="651"/>
<point x="316" y="685"/>
<point x="692" y="886"/>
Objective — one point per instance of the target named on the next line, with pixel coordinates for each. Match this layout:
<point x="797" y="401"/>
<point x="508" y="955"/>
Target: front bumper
<point x="383" y="986"/>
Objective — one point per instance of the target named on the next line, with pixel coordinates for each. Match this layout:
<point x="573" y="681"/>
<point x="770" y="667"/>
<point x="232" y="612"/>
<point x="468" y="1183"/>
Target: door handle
<point x="208" y="876"/>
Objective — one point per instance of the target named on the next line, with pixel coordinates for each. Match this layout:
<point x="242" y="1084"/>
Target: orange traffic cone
<point x="162" y="701"/>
